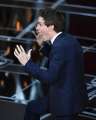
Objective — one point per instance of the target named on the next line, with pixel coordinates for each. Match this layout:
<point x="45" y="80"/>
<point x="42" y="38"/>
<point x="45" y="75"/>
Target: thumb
<point x="29" y="53"/>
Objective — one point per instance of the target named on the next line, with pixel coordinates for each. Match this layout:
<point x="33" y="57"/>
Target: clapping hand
<point x="21" y="55"/>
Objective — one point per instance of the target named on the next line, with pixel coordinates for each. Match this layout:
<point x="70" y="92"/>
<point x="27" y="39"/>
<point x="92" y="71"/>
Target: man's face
<point x="42" y="30"/>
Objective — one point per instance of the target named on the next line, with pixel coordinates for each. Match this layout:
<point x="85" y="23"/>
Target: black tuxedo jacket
<point x="65" y="76"/>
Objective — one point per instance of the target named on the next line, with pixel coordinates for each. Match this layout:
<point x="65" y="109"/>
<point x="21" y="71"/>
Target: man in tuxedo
<point x="66" y="96"/>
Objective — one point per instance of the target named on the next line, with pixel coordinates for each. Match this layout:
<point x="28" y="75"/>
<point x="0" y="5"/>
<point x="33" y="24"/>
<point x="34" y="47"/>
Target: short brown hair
<point x="53" y="17"/>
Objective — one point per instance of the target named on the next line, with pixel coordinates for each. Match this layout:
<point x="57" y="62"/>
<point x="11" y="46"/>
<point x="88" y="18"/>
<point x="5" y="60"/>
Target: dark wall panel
<point x="11" y="111"/>
<point x="82" y="26"/>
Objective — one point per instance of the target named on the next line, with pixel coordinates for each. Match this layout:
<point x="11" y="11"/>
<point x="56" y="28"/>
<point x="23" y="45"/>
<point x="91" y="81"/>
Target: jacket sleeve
<point x="56" y="62"/>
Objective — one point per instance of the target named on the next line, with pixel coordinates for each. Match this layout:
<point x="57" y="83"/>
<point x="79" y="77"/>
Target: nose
<point x="37" y="26"/>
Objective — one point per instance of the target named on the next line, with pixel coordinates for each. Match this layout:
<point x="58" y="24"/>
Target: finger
<point x="18" y="48"/>
<point x="22" y="49"/>
<point x="16" y="53"/>
<point x="18" y="57"/>
<point x="29" y="52"/>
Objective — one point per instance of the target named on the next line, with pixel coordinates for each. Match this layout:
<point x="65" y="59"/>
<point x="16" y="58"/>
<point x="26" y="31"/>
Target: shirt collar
<point x="53" y="39"/>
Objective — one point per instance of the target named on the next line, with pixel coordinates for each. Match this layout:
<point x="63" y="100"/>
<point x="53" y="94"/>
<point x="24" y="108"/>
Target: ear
<point x="52" y="27"/>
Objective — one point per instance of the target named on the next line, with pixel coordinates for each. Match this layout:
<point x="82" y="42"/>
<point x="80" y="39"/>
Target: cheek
<point x="45" y="31"/>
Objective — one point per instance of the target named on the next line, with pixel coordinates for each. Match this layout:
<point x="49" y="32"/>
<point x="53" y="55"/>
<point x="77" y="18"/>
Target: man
<point x="66" y="93"/>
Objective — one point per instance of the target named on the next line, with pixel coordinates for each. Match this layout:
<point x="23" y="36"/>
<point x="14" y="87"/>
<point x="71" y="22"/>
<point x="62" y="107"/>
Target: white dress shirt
<point x="52" y="40"/>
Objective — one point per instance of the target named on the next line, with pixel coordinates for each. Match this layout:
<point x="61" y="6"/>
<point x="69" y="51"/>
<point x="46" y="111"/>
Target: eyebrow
<point x="38" y="22"/>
